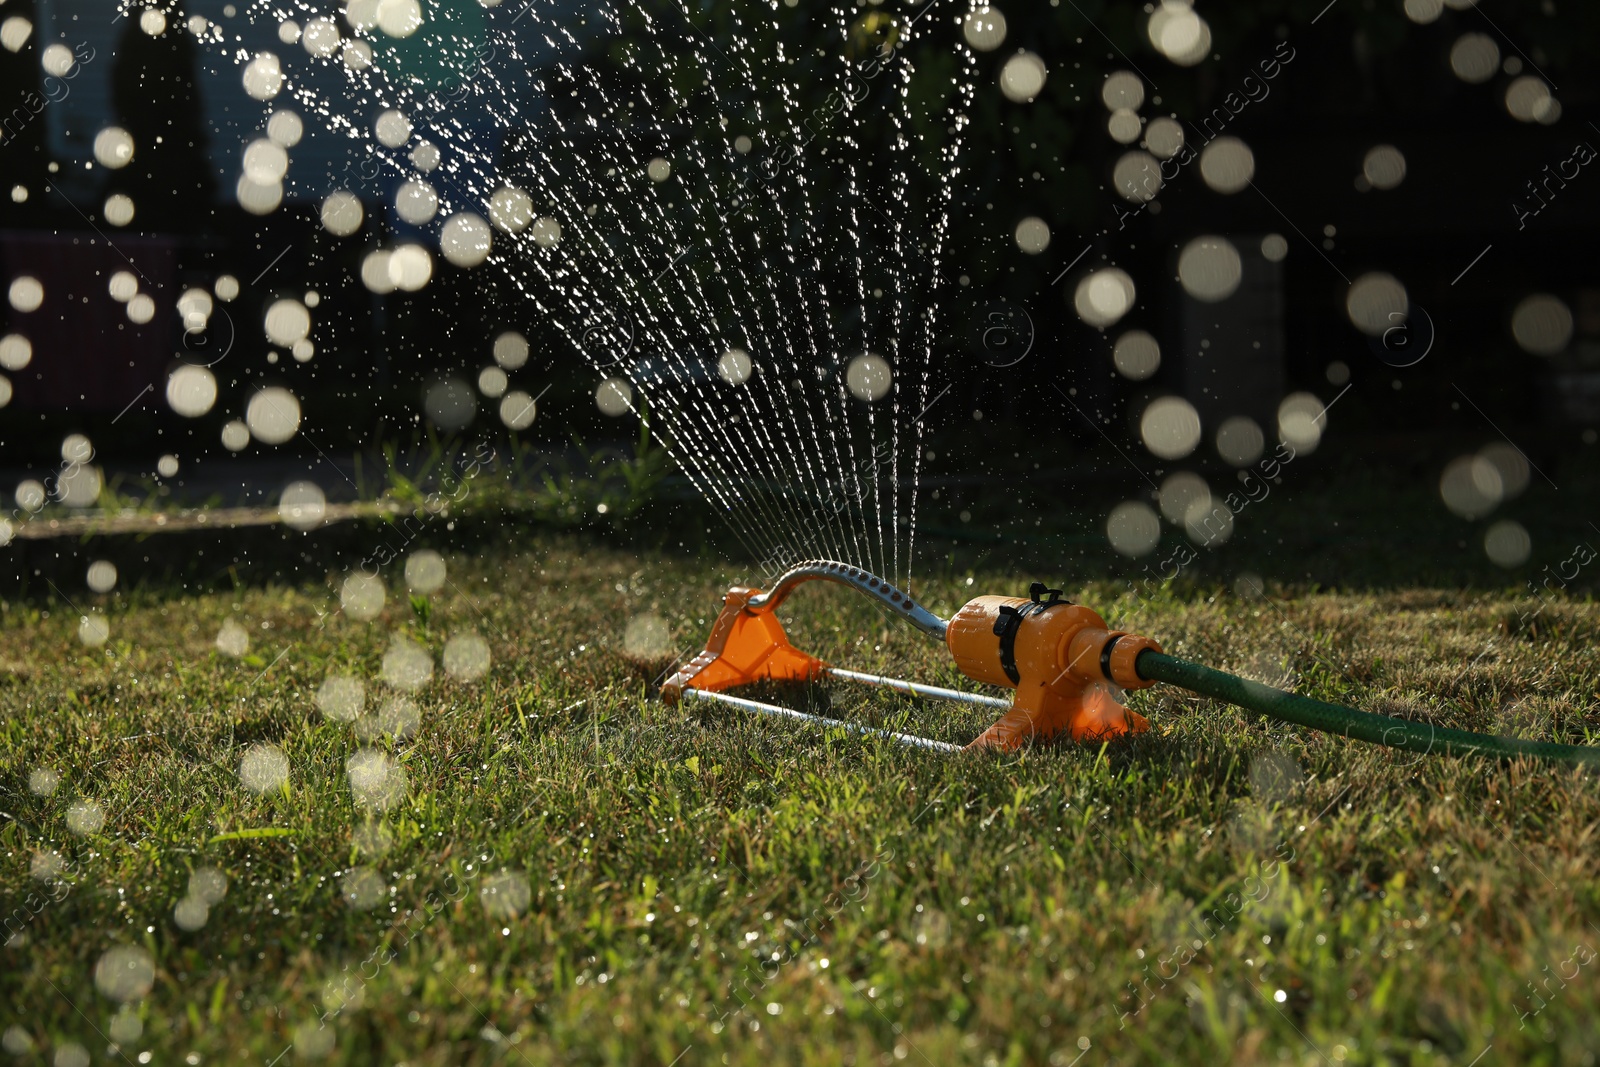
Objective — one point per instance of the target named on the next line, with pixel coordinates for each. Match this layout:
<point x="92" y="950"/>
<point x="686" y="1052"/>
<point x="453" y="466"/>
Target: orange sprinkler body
<point x="1062" y="660"/>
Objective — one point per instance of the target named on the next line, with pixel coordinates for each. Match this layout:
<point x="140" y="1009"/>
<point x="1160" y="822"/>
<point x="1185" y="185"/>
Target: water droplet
<point x="1137" y="355"/>
<point x="1023" y="77"/>
<point x="264" y="768"/>
<point x="425" y="571"/>
<point x="263" y="77"/>
<point x="1170" y="427"/>
<point x="984" y="29"/>
<point x="124" y="973"/>
<point x="868" y="377"/>
<point x="505" y="895"/>
<point x="1133" y="528"/>
<point x="341" y="697"/>
<point x="362" y="596"/>
<point x="406" y="665"/>
<point x="113" y="148"/>
<point x="1210" y="268"/>
<point x="302" y="505"/>
<point x="191" y="390"/>
<point x="466" y="657"/>
<point x="93" y="630"/>
<point x="26" y="294"/>
<point x="1227" y="165"/>
<point x="273" y="415"/>
<point x="648" y="636"/>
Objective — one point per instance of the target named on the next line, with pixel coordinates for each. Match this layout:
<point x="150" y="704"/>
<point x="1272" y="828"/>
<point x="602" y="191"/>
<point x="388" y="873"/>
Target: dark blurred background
<point x="1445" y="145"/>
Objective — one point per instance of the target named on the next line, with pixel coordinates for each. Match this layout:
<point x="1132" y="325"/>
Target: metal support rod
<point x="918" y="688"/>
<point x="790" y="713"/>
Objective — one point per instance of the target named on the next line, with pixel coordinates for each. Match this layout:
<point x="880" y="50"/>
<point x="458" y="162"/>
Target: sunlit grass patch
<point x="208" y="851"/>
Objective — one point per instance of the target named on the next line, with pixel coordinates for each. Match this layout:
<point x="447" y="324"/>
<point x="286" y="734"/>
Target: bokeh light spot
<point x="1475" y="57"/>
<point x="466" y="239"/>
<point x="1471" y="487"/>
<point x="1240" y="441"/>
<point x="191" y="390"/>
<point x="1507" y="543"/>
<point x="361" y="596"/>
<point x="466" y="657"/>
<point x="232" y="639"/>
<point x="302" y="505"/>
<point x="125" y="973"/>
<point x="1104" y="296"/>
<point x="264" y="768"/>
<point x="342" y="213"/>
<point x="983" y="29"/>
<point x="101" y="576"/>
<point x="450" y="404"/>
<point x="517" y="409"/>
<point x="425" y="571"/>
<point x="1227" y="165"/>
<point x="1133" y="528"/>
<point x="1179" y="492"/>
<point x="1170" y="427"/>
<point x="1377" y="302"/>
<point x="1136" y="355"/>
<point x="505" y="895"/>
<point x="1542" y="325"/>
<point x="1384" y="167"/>
<point x="1301" y="419"/>
<point x="341" y="697"/>
<point x="85" y="817"/>
<point x="614" y="397"/>
<point x="647" y="636"/>
<point x="273" y="415"/>
<point x="868" y="377"/>
<point x="1209" y="268"/>
<point x="406" y="664"/>
<point x="1033" y="235"/>
<point x="1023" y="77"/>
<point x="735" y="366"/>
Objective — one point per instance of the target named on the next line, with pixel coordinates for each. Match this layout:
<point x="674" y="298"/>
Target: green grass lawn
<point x="555" y="868"/>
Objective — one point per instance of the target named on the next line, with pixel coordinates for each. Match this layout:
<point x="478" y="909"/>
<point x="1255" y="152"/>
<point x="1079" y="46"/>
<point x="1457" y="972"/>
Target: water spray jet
<point x="1063" y="662"/>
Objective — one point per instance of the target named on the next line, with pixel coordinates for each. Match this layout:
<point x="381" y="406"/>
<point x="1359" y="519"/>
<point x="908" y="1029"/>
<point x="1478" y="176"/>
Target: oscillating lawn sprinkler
<point x="1061" y="659"/>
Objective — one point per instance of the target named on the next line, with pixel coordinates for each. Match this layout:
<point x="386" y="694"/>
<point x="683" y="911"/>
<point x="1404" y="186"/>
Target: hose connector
<point x="1061" y="658"/>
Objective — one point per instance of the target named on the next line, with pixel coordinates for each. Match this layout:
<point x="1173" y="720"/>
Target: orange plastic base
<point x="1041" y="713"/>
<point x="745" y="646"/>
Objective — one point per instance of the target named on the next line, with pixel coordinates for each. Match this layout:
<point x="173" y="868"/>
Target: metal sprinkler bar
<point x="1059" y="657"/>
<point x="800" y="716"/>
<point x="862" y="581"/>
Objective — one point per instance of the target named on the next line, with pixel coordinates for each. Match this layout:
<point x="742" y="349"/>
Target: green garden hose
<point x="1337" y="719"/>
